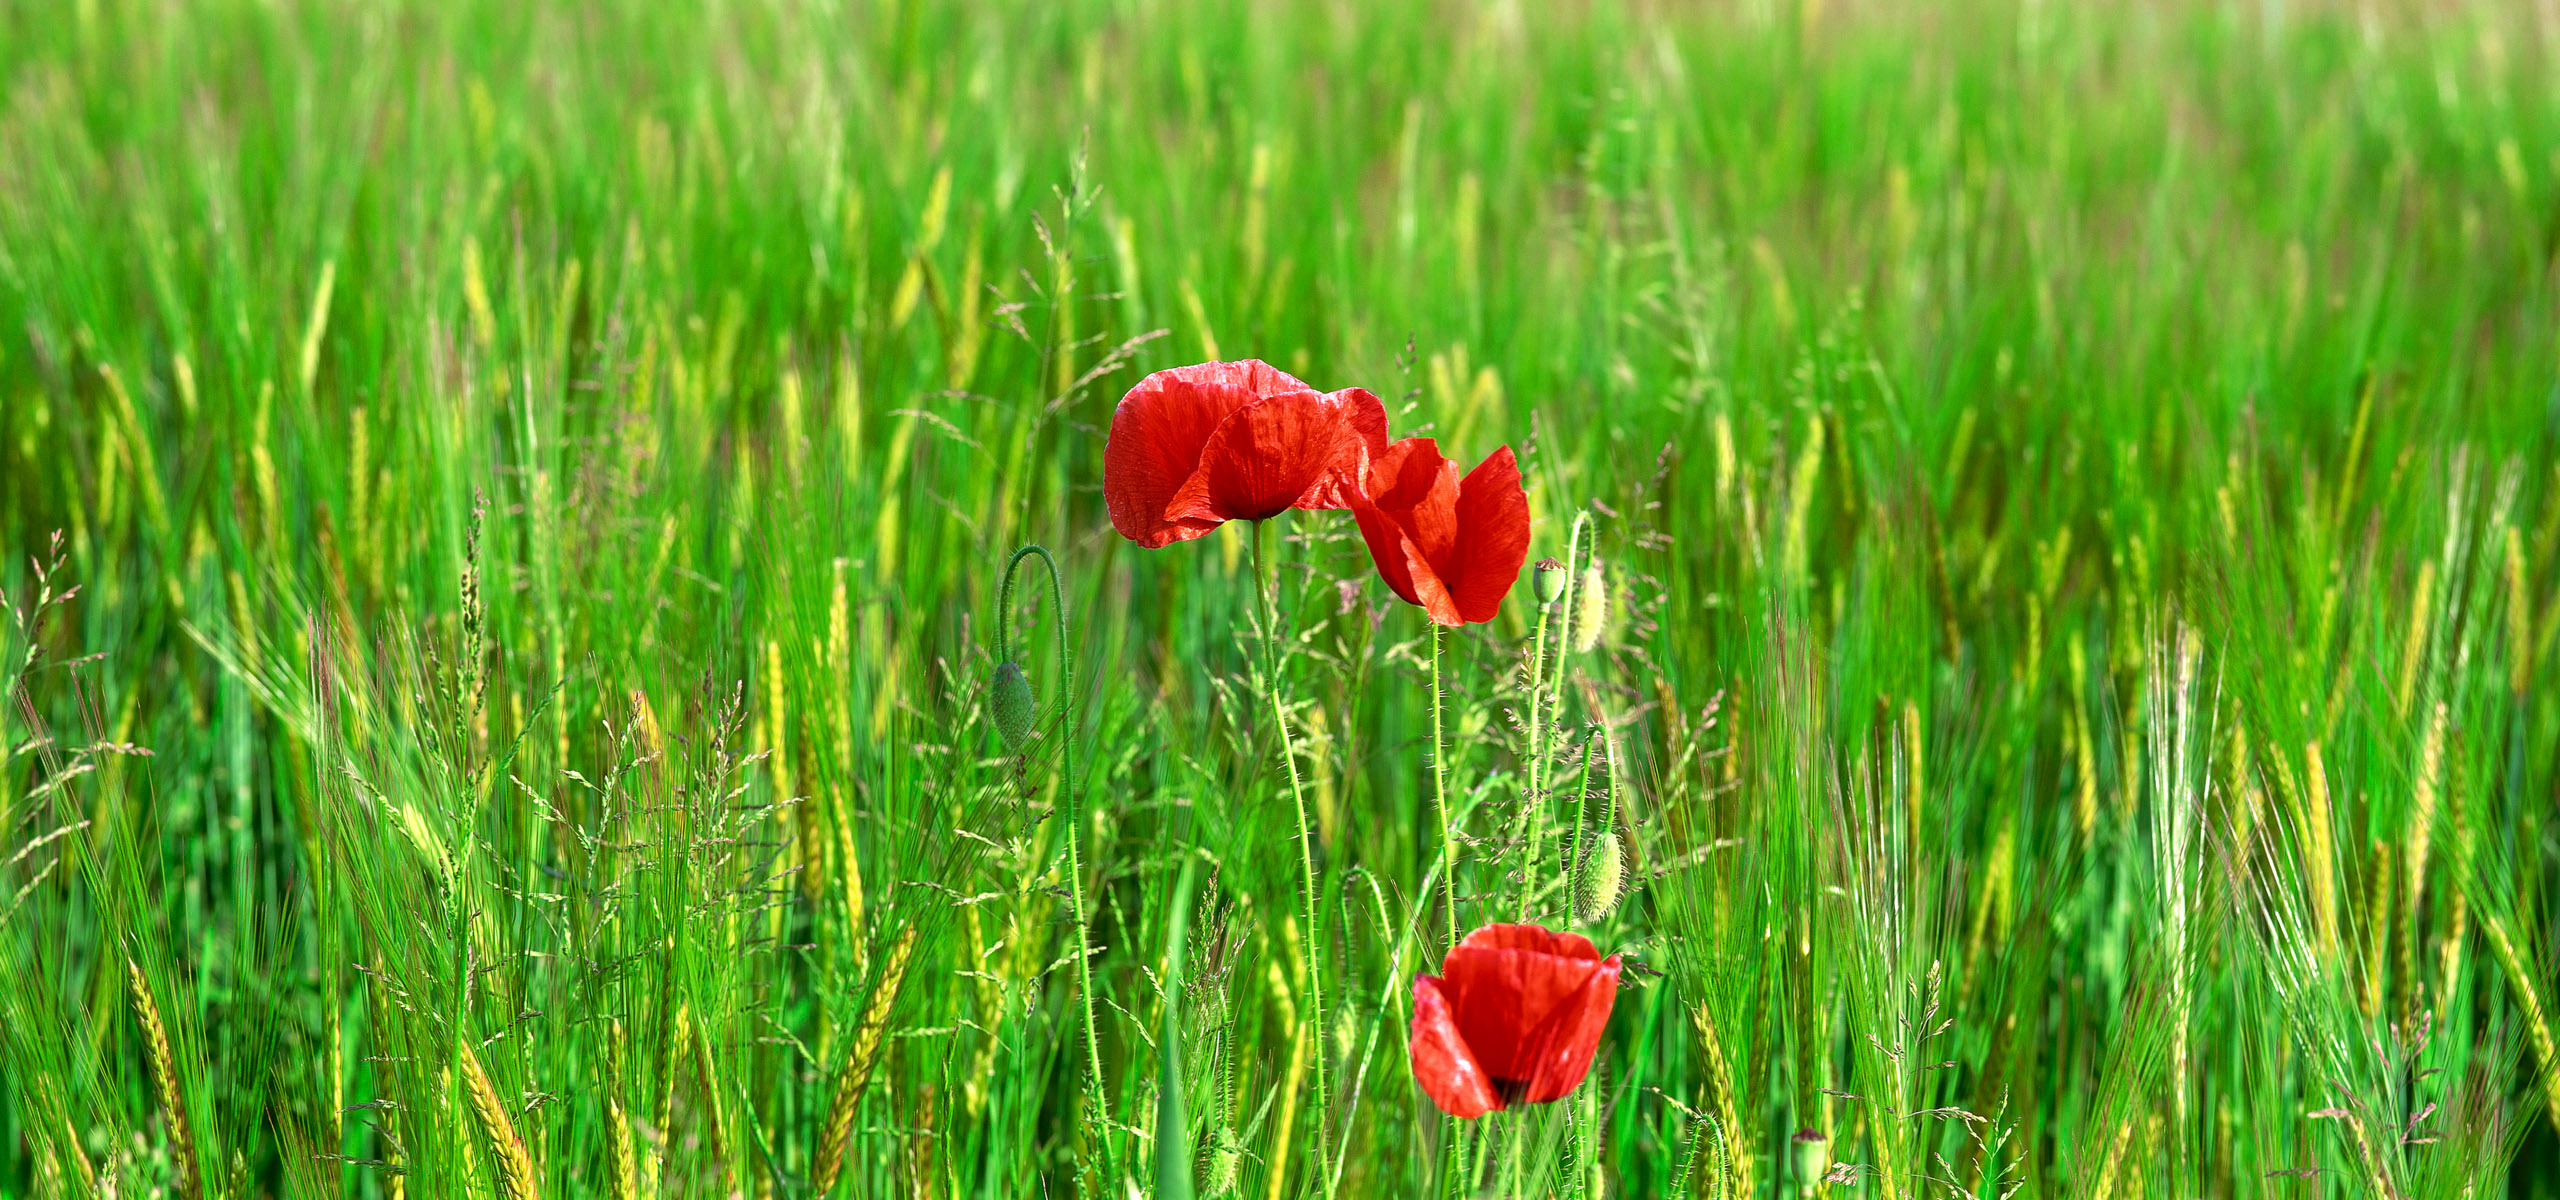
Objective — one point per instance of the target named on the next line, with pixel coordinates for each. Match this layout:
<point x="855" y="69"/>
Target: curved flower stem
<point x="1075" y="809"/>
<point x="1306" y="849"/>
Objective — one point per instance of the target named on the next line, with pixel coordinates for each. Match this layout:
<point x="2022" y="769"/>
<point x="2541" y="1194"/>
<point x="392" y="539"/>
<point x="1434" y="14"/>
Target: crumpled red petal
<point x="1453" y="546"/>
<point x="1158" y="433"/>
<point x="1442" y="1064"/>
<point x="1531" y="1005"/>
<point x="1279" y="453"/>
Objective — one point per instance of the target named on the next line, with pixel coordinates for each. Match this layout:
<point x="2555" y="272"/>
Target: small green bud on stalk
<point x="1604" y="877"/>
<point x="1548" y="580"/>
<point x="1590" y="617"/>
<point x="1011" y="698"/>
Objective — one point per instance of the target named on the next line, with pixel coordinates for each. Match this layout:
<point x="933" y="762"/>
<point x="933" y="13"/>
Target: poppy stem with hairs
<point x="1440" y="785"/>
<point x="1545" y="705"/>
<point x="1262" y="584"/>
<point x="1448" y="880"/>
<point x="1536" y="800"/>
<point x="1075" y="807"/>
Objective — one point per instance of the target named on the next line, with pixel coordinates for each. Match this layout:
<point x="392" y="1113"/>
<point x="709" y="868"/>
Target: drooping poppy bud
<point x="1590" y="617"/>
<point x="1601" y="881"/>
<point x="1010" y="699"/>
<point x="1194" y="447"/>
<point x="1514" y="1017"/>
<point x="1452" y="545"/>
<point x="1548" y="579"/>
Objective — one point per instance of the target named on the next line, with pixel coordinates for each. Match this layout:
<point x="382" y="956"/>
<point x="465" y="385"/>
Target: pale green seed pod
<point x="1010" y="697"/>
<point x="1590" y="618"/>
<point x="1602" y="880"/>
<point x="1548" y="580"/>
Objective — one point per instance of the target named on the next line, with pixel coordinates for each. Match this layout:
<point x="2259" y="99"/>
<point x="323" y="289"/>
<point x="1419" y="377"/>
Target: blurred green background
<point x="2076" y="487"/>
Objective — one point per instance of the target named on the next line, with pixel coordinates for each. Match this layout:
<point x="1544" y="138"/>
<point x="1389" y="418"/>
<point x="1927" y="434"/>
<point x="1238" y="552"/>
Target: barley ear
<point x="164" y="1078"/>
<point x="78" y="1157"/>
<point x="858" y="1066"/>
<point x="515" y="1164"/>
<point x="626" y="1170"/>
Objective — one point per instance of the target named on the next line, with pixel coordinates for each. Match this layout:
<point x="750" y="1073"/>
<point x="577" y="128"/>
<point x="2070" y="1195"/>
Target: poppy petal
<point x="1442" y="1064"/>
<point x="1507" y="983"/>
<point x="1263" y="457"/>
<point x="1360" y="409"/>
<point x="1493" y="509"/>
<point x="1158" y="433"/>
<point x="1556" y="1055"/>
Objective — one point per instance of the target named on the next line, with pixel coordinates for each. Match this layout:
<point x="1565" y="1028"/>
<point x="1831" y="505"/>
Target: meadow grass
<point x="511" y="509"/>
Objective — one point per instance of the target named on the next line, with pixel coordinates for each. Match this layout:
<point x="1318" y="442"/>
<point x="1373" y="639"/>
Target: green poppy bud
<point x="1590" y="617"/>
<point x="1010" y="697"/>
<point x="1603" y="879"/>
<point x="1548" y="580"/>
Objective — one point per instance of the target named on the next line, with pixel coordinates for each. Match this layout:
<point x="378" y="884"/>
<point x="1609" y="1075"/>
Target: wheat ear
<point x="858" y="1067"/>
<point x="515" y="1163"/>
<point x="626" y="1169"/>
<point x="164" y="1078"/>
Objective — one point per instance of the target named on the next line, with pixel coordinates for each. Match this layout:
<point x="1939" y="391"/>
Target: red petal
<point x="1265" y="456"/>
<point x="1409" y="517"/>
<point x="1158" y="433"/>
<point x="1368" y="421"/>
<point x="1493" y="541"/>
<point x="1442" y="1063"/>
<point x="1557" y="1055"/>
<point x="1522" y="995"/>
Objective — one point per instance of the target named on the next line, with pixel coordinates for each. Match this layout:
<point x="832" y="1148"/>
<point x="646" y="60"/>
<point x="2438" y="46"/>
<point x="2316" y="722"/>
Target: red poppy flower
<point x="1453" y="546"/>
<point x="1197" y="446"/>
<point x="1514" y="1017"/>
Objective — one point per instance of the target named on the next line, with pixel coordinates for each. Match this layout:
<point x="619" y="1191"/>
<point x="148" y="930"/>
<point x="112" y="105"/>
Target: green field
<point x="507" y="505"/>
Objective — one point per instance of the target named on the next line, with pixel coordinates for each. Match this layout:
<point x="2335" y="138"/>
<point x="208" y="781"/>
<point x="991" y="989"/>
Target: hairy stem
<point x="1075" y="807"/>
<point x="1262" y="585"/>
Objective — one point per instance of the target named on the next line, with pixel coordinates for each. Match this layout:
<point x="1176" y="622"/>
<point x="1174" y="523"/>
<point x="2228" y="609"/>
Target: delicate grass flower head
<point x="1514" y="1017"/>
<point x="1194" y="447"/>
<point x="1452" y="545"/>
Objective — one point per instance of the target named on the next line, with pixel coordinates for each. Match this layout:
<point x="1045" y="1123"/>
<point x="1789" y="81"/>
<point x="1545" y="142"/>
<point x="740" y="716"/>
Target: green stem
<point x="1536" y="807"/>
<point x="1440" y="786"/>
<point x="1075" y="813"/>
<point x="1306" y="848"/>
<point x="1546" y="695"/>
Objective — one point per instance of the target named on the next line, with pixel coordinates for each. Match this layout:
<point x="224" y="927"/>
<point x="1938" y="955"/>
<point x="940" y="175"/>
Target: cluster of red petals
<point x="1514" y="1017"/>
<point x="1194" y="447"/>
<point x="1452" y="545"/>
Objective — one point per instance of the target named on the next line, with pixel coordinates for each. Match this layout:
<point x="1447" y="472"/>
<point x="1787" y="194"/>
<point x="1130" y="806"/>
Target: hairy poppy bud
<point x="1549" y="580"/>
<point x="1590" y="616"/>
<point x="1601" y="881"/>
<point x="1010" y="697"/>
